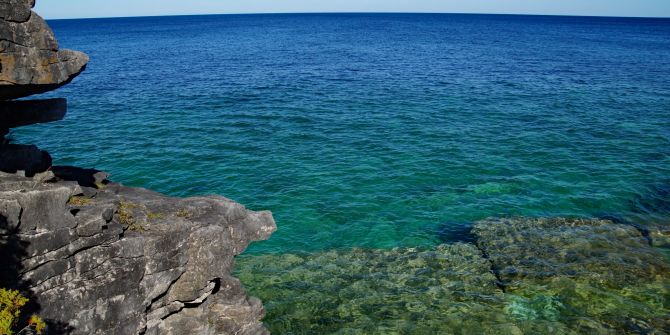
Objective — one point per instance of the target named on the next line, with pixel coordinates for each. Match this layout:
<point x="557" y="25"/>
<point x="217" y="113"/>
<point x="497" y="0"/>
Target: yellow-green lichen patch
<point x="184" y="213"/>
<point x="127" y="217"/>
<point x="79" y="200"/>
<point x="154" y="216"/>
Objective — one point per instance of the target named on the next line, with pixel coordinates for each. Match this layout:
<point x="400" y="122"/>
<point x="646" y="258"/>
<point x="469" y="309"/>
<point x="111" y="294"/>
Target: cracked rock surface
<point x="30" y="59"/>
<point x="101" y="258"/>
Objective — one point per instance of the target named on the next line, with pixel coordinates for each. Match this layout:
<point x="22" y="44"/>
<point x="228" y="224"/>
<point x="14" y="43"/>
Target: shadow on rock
<point x="13" y="249"/>
<point x="84" y="177"/>
<point x="28" y="158"/>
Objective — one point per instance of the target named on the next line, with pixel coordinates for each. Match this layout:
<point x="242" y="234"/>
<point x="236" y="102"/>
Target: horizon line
<point x="344" y="12"/>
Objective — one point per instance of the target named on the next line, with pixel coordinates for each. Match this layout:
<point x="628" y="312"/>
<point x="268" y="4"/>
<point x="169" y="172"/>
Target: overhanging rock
<point x="22" y="113"/>
<point x="30" y="59"/>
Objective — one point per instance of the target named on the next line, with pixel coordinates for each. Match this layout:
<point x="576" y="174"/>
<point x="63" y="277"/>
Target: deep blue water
<point x="376" y="130"/>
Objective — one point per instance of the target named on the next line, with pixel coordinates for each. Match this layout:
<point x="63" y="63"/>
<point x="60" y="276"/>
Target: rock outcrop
<point x="30" y="59"/>
<point x="101" y="258"/>
<point x="95" y="257"/>
<point x="26" y="112"/>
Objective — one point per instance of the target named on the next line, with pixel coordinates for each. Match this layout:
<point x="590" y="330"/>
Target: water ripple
<point x="376" y="130"/>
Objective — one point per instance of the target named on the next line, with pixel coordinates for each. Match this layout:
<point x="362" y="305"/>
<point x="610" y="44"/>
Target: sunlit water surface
<point x="376" y="131"/>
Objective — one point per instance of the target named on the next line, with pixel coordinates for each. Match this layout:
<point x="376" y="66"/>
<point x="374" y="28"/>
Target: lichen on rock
<point x="92" y="274"/>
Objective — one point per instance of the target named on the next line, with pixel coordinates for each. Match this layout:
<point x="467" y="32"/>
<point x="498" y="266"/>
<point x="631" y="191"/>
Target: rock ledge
<point x="30" y="59"/>
<point x="101" y="258"/>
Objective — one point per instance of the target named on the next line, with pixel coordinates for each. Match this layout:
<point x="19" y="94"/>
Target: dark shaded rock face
<point x="117" y="260"/>
<point x="26" y="158"/>
<point x="30" y="60"/>
<point x="26" y="112"/>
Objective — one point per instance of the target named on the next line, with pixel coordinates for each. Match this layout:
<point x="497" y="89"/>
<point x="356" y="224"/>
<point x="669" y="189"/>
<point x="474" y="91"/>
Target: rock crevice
<point x="130" y="260"/>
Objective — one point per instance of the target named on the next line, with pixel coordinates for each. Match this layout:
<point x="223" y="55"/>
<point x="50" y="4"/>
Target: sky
<point x="56" y="9"/>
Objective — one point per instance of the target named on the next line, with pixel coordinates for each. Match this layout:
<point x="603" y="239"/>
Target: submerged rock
<point x="360" y="291"/>
<point x="659" y="234"/>
<point x="532" y="276"/>
<point x="110" y="259"/>
<point x="540" y="249"/>
<point x="594" y="276"/>
<point x="30" y="59"/>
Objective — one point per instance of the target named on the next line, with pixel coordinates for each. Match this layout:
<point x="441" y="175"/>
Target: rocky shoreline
<point x="102" y="258"/>
<point x="96" y="257"/>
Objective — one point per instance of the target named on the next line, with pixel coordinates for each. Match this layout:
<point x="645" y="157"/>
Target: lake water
<point x="376" y="131"/>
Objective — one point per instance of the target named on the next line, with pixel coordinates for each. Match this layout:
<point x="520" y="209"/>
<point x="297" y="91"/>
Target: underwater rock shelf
<point x="523" y="276"/>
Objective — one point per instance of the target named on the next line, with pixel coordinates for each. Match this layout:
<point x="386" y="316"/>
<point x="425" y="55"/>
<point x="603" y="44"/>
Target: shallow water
<point x="376" y="131"/>
<point x="523" y="276"/>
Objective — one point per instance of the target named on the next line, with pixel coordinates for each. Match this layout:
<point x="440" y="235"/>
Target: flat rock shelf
<point x="522" y="276"/>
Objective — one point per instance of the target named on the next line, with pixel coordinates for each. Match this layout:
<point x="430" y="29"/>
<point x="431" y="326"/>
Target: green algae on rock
<point x="592" y="275"/>
<point x="404" y="291"/>
<point x="598" y="250"/>
<point x="554" y="276"/>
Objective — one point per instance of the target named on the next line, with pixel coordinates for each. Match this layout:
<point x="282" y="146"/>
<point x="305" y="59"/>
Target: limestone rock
<point x="30" y="59"/>
<point x="15" y="10"/>
<point x="110" y="259"/>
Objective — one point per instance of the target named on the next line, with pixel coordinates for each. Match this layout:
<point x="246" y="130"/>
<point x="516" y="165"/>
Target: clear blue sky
<point x="52" y="9"/>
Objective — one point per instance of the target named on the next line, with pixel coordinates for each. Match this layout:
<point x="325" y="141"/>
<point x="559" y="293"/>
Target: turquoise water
<point x="376" y="130"/>
<point x="376" y="138"/>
